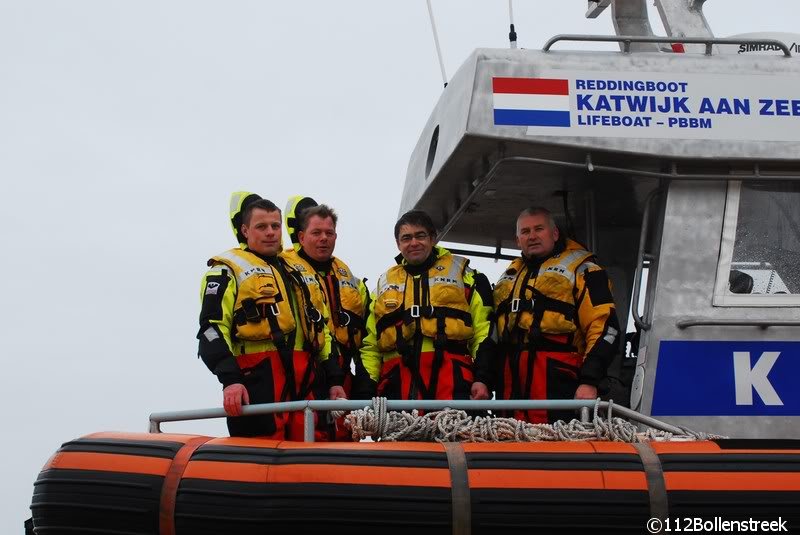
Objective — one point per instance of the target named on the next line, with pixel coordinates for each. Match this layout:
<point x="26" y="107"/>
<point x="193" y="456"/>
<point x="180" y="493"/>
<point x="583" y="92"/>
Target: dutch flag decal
<point x="531" y="101"/>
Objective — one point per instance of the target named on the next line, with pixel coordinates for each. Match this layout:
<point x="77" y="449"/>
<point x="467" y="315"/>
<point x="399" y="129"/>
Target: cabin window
<point x="432" y="151"/>
<point x="760" y="253"/>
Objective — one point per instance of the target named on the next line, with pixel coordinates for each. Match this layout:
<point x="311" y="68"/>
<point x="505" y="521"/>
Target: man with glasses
<point x="428" y="329"/>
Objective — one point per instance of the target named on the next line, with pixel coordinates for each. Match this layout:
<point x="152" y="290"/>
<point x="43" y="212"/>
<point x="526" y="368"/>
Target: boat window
<point x="760" y="254"/>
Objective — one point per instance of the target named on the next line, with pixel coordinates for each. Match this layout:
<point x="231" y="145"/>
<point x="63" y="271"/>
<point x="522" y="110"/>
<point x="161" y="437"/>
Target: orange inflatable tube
<point x="170" y="484"/>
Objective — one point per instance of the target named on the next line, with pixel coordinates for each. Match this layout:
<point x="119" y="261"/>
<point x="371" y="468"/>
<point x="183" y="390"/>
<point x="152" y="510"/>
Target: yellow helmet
<point x="239" y="201"/>
<point x="294" y="207"/>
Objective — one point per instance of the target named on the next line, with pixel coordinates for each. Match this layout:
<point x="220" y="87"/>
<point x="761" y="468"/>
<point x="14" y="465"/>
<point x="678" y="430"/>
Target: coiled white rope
<point x="452" y="425"/>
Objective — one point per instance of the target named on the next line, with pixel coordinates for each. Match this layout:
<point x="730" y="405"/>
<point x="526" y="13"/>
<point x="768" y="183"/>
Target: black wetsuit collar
<point x="320" y="267"/>
<point x="419" y="269"/>
<point x="272" y="260"/>
<point x="534" y="263"/>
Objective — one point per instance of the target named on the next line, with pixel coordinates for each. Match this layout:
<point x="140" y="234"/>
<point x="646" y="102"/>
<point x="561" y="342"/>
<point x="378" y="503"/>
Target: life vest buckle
<point x="527" y="305"/>
<point x="314" y="315"/>
<point x="344" y="318"/>
<point x="251" y="312"/>
<point x="274" y="309"/>
<point x="414" y="311"/>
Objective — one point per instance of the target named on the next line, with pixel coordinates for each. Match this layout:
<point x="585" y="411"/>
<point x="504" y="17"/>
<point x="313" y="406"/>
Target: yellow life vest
<point x="346" y="308"/>
<point x="524" y="301"/>
<point x="263" y="308"/>
<point x="437" y="303"/>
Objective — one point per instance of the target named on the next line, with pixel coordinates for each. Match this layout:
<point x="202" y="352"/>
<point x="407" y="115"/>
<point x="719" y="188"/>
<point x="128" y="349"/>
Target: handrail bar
<point x="588" y="165"/>
<point x="308" y="406"/>
<point x="626" y="40"/>
<point x="482" y="254"/>
<point x="638" y="319"/>
<point x="685" y="322"/>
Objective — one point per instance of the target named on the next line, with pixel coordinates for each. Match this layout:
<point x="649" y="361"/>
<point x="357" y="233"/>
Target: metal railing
<point x="641" y="257"/>
<point x="626" y="41"/>
<point x="309" y="406"/>
<point x="683" y="323"/>
<point x="480" y="184"/>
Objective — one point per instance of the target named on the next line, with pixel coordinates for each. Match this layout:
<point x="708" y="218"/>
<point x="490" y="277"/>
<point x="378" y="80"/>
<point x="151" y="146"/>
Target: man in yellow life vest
<point x="556" y="321"/>
<point x="312" y="230"/>
<point x="262" y="329"/>
<point x="429" y="323"/>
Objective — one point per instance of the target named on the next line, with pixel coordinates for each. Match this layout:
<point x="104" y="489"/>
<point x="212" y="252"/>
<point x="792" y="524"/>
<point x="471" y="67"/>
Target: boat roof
<point x="466" y="162"/>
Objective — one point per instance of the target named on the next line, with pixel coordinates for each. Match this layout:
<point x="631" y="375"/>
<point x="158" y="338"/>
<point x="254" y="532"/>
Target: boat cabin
<point x="678" y="164"/>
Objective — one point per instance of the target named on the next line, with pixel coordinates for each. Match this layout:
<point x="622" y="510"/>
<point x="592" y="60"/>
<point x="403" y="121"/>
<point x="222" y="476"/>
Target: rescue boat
<point x="183" y="484"/>
<point x="688" y="212"/>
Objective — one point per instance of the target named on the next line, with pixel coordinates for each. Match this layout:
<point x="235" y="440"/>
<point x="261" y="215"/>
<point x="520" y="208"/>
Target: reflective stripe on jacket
<point x="345" y="298"/>
<point x="568" y="295"/>
<point x="478" y="307"/>
<point x="437" y="303"/>
<point x="263" y="303"/>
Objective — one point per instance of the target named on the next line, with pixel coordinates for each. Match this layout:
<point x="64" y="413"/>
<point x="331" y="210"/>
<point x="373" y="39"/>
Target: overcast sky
<point x="125" y="126"/>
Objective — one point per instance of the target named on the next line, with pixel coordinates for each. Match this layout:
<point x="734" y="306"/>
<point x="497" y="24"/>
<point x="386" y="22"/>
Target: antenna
<point x="436" y="42"/>
<point x="512" y="35"/>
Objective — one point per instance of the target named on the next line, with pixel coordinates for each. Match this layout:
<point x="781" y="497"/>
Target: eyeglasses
<point x="419" y="236"/>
